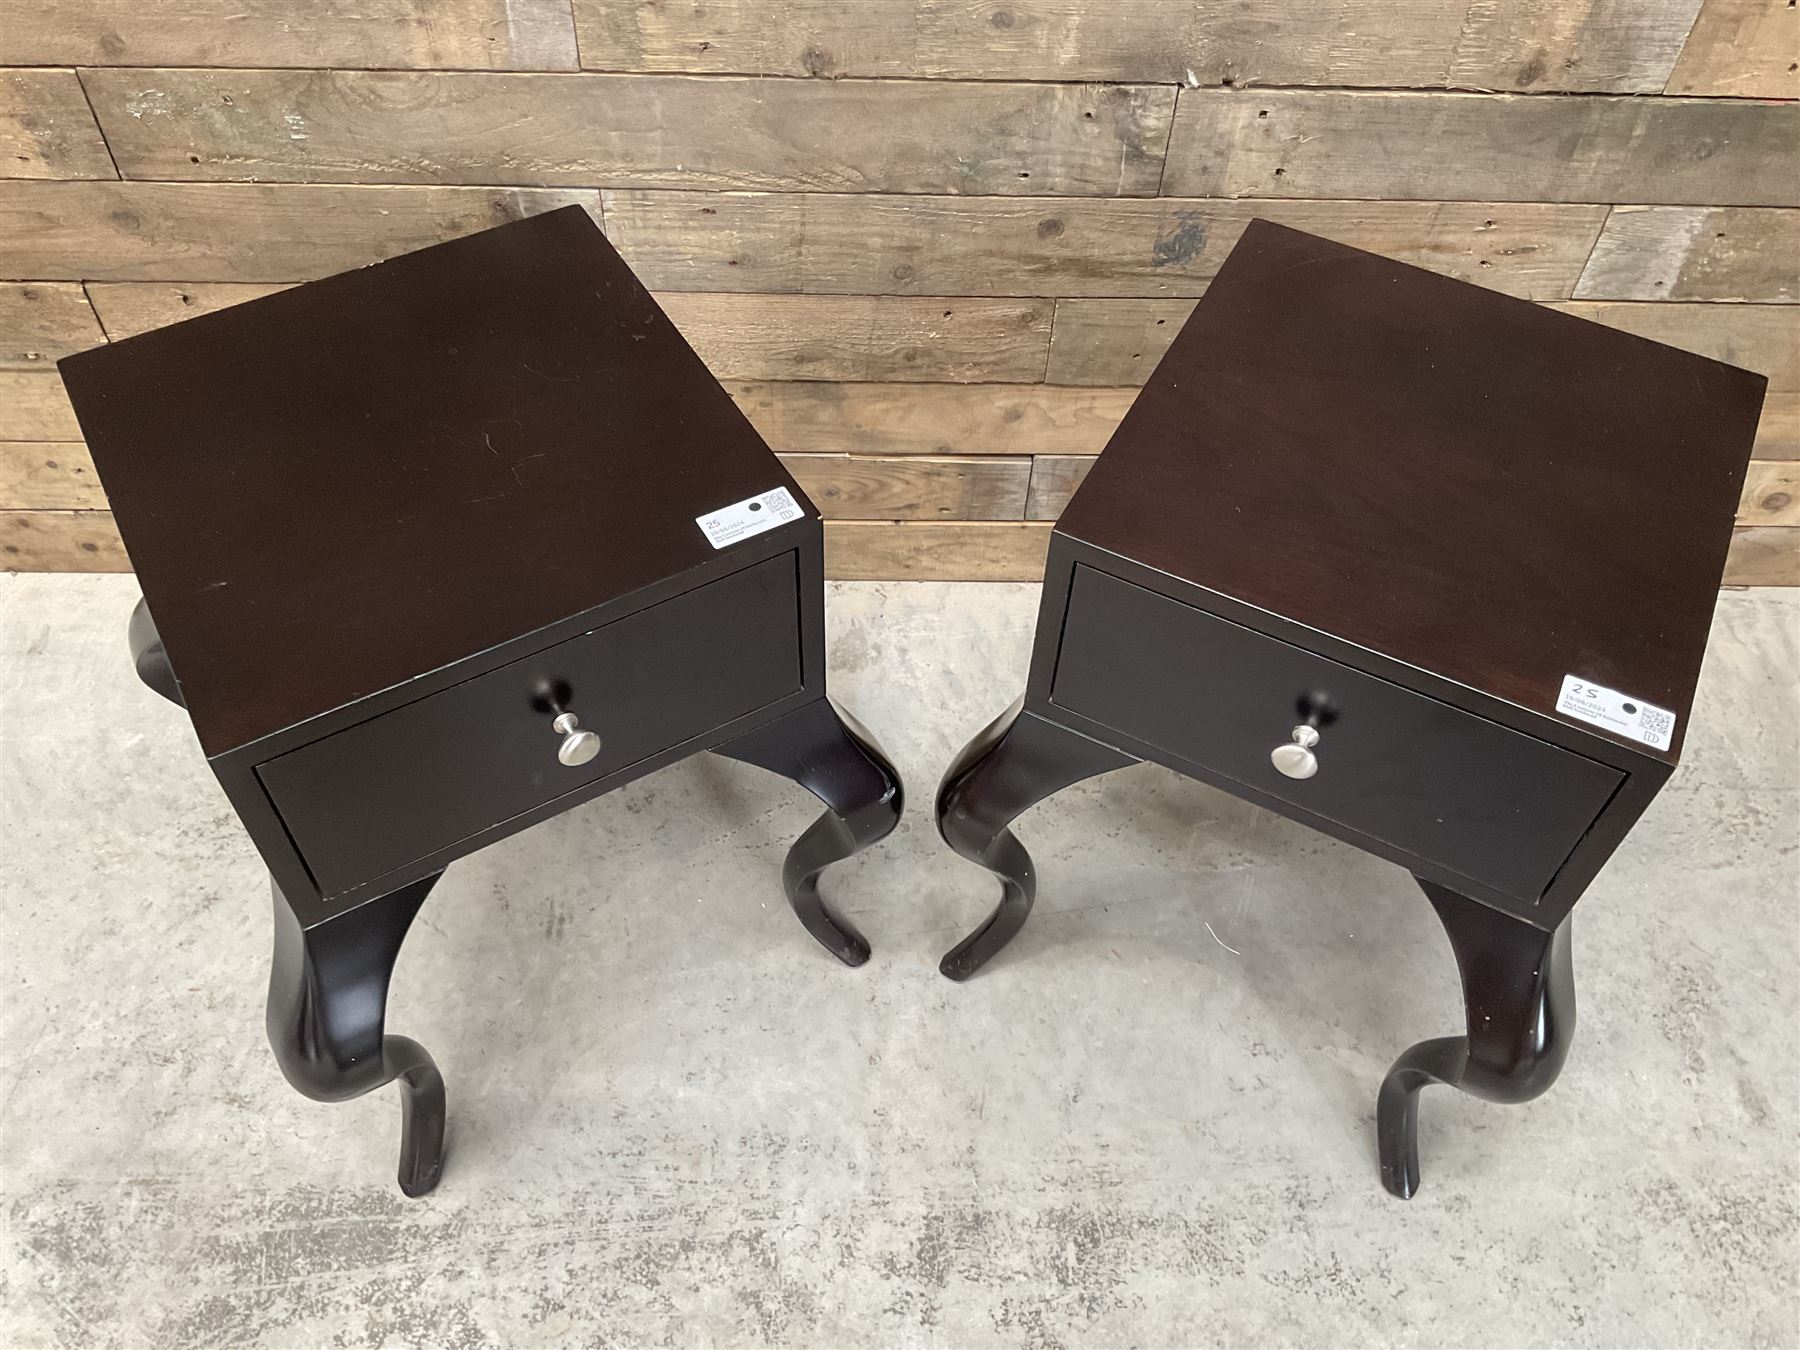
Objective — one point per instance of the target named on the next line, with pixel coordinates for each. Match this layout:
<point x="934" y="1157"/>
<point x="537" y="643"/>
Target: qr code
<point x="1656" y="724"/>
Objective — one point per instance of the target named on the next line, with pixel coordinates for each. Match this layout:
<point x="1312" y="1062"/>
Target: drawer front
<point x="1480" y="799"/>
<point x="387" y="792"/>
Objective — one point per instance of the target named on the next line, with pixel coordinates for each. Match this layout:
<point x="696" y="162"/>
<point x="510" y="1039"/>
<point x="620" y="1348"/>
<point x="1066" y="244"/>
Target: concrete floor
<point x="675" y="1120"/>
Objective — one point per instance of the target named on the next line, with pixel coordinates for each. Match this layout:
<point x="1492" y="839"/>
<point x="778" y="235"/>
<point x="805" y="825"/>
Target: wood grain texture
<point x="1118" y="342"/>
<point x="48" y="474"/>
<point x="1487" y="147"/>
<point x="1492" y="44"/>
<point x="47" y="129"/>
<point x="337" y="126"/>
<point x="1763" y="555"/>
<point x="931" y="419"/>
<point x="60" y="541"/>
<point x="861" y="337"/>
<point x="1771" y="494"/>
<point x="42" y="320"/>
<point x="1741" y="49"/>
<point x="870" y="245"/>
<point x="1054" y="479"/>
<point x="101" y="231"/>
<point x="1695" y="253"/>
<point x="743" y="337"/>
<point x="33" y="407"/>
<point x="915" y="487"/>
<point x="472" y="34"/>
<point x="868" y="550"/>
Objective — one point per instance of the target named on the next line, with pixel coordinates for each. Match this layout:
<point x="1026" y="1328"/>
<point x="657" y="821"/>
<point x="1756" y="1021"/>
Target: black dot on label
<point x="756" y="506"/>
<point x="1629" y="707"/>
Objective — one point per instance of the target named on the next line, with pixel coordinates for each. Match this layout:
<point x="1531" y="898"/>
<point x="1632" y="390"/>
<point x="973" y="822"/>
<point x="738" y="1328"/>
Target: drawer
<point x="1427" y="779"/>
<point x="417" y="780"/>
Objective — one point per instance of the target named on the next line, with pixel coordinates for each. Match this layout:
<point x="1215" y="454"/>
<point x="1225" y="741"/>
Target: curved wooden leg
<point x="148" y="656"/>
<point x="825" y="751"/>
<point x="1519" y="997"/>
<point x="327" y="1013"/>
<point x="1015" y="763"/>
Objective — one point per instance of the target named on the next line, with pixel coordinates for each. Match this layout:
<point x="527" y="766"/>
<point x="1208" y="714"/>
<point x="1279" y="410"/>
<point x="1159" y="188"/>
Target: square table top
<point x="1468" y="483"/>
<point x="335" y="489"/>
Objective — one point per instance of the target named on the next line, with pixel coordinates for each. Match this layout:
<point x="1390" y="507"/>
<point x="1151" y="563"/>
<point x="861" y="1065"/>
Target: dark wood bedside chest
<point x="436" y="550"/>
<point x="1424" y="567"/>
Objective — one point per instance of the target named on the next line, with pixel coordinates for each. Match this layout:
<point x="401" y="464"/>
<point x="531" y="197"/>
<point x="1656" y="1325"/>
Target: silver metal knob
<point x="578" y="746"/>
<point x="1296" y="759"/>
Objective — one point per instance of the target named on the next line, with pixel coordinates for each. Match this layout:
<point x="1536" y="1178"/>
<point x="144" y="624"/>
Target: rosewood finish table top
<point x="333" y="490"/>
<point x="1461" y="481"/>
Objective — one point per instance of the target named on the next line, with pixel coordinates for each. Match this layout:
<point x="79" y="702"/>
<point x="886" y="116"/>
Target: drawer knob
<point x="578" y="746"/>
<point x="1296" y="759"/>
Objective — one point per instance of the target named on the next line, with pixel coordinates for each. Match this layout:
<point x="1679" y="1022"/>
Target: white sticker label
<point x="1609" y="708"/>
<point x="752" y="516"/>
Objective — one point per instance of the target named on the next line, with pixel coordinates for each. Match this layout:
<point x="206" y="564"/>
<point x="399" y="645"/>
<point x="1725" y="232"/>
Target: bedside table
<point x="1422" y="566"/>
<point x="441" y="548"/>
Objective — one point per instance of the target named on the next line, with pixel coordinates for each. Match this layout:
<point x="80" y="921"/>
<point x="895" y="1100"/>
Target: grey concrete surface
<point x="675" y="1120"/>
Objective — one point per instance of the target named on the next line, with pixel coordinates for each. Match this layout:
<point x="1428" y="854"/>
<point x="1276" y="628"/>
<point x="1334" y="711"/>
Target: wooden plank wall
<point x="932" y="248"/>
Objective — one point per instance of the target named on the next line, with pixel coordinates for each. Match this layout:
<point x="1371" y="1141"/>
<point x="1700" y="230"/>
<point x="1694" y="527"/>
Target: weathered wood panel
<point x="1742" y="49"/>
<point x="1112" y="342"/>
<point x="1054" y="479"/>
<point x="42" y="320"/>
<point x="1695" y="253"/>
<point x="1764" y="555"/>
<point x="1771" y="494"/>
<point x="746" y="337"/>
<point x="60" y="541"/>
<point x="1487" y="147"/>
<point x="473" y="34"/>
<point x="100" y="231"/>
<point x="917" y="487"/>
<point x="870" y="245"/>
<point x="33" y="407"/>
<point x="932" y="419"/>
<point x="47" y="129"/>
<point x="1627" y="46"/>
<point x="868" y="550"/>
<point x="48" y="474"/>
<point x="326" y="126"/>
<point x="860" y="337"/>
<point x="1119" y="342"/>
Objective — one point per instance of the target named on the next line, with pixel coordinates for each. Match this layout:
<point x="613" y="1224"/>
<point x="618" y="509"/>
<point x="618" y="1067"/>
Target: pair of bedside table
<point x="441" y="548"/>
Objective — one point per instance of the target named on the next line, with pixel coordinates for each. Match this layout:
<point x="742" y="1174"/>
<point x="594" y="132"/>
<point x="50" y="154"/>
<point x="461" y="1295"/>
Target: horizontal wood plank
<point x="42" y="320"/>
<point x="1054" y="479"/>
<point x="325" y="126"/>
<point x="239" y="231"/>
<point x="931" y="419"/>
<point x="1488" y="44"/>
<point x="474" y="34"/>
<point x="746" y="337"/>
<point x="1741" y="49"/>
<point x="47" y="129"/>
<point x="872" y="245"/>
<point x="60" y="541"/>
<point x="1695" y="253"/>
<point x="1486" y="147"/>
<point x="1112" y="342"/>
<point x="33" y="407"/>
<point x="914" y="487"/>
<point x="1764" y="555"/>
<point x="1771" y="494"/>
<point x="868" y="550"/>
<point x="48" y="474"/>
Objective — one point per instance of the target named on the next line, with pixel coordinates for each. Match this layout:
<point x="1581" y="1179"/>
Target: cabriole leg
<point x="327" y="1015"/>
<point x="1519" y="997"/>
<point x="825" y="751"/>
<point x="1015" y="763"/>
